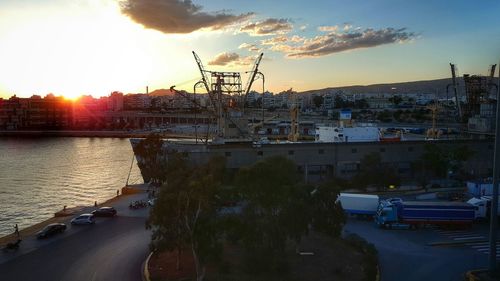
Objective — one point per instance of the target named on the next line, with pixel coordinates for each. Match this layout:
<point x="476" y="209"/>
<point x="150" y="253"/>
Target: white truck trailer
<point x="483" y="206"/>
<point x="359" y="204"/>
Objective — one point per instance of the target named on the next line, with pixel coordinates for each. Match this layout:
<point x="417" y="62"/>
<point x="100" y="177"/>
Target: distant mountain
<point x="162" y="92"/>
<point x="426" y="86"/>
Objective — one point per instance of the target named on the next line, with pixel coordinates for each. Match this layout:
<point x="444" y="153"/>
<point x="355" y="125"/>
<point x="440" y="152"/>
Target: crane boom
<point x="254" y="71"/>
<point x="202" y="71"/>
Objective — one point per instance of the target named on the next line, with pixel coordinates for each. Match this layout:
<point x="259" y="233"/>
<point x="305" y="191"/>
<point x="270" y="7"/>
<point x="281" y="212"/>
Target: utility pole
<point x="494" y="200"/>
<point x="453" y="76"/>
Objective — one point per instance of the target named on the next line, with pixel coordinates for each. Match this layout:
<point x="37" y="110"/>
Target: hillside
<point x="425" y="86"/>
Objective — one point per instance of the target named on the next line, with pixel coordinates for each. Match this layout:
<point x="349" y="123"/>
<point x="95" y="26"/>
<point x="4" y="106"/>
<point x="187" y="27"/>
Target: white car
<point x="83" y="219"/>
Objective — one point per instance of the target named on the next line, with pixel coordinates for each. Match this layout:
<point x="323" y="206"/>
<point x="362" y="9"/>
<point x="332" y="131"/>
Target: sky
<point x="75" y="47"/>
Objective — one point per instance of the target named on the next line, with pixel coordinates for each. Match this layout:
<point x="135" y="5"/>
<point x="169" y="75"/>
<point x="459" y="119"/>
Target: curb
<point x="453" y="243"/>
<point x="377" y="277"/>
<point x="145" y="268"/>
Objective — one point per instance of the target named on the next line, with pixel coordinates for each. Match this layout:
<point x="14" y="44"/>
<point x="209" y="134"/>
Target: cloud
<point x="328" y="28"/>
<point x="269" y="26"/>
<point x="231" y="59"/>
<point x="177" y="16"/>
<point x="336" y="41"/>
<point x="250" y="47"/>
<point x="274" y="40"/>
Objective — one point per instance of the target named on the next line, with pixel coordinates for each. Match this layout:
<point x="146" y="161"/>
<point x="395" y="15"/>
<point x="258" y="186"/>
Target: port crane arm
<point x="254" y="72"/>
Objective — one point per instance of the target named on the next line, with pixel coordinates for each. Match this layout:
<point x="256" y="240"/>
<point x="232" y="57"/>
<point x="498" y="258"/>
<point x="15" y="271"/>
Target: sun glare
<point x="72" y="51"/>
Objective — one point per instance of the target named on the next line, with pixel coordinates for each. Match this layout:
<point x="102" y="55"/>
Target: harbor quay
<point x="322" y="161"/>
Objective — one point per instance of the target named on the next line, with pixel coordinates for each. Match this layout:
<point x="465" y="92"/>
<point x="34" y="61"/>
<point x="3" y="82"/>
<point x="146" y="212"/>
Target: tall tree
<point x="150" y="158"/>
<point x="328" y="217"/>
<point x="185" y="215"/>
<point x="276" y="209"/>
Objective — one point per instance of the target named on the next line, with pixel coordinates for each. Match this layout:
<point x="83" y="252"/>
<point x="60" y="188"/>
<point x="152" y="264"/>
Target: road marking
<point x="464" y="234"/>
<point x="468" y="238"/>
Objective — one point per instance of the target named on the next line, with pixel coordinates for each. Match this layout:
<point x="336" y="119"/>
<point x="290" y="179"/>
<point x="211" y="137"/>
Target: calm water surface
<point x="38" y="176"/>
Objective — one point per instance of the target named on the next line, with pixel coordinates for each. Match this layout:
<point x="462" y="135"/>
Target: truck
<point x="359" y="204"/>
<point x="483" y="207"/>
<point x="414" y="214"/>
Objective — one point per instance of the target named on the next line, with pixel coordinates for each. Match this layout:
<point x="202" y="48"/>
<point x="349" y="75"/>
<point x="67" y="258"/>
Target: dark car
<point x="104" y="212"/>
<point x="50" y="230"/>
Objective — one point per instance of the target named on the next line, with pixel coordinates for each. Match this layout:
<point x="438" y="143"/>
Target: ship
<point x="336" y="152"/>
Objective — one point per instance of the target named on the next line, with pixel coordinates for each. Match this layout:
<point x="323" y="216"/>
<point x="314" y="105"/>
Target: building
<point x="36" y="113"/>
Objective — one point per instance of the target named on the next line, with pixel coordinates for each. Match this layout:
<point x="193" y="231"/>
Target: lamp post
<point x="261" y="75"/>
<point x="196" y="85"/>
<point x="494" y="200"/>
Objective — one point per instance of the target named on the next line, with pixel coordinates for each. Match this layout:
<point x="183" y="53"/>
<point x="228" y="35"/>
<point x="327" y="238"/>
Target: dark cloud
<point x="270" y="26"/>
<point x="177" y="16"/>
<point x="335" y="41"/>
<point x="231" y="59"/>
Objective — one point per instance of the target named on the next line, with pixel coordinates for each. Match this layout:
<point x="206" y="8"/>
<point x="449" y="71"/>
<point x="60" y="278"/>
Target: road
<point x="406" y="255"/>
<point x="112" y="249"/>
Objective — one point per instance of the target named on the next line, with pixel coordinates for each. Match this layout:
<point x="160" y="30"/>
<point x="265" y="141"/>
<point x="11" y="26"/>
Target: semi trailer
<point x="415" y="214"/>
<point x="359" y="204"/>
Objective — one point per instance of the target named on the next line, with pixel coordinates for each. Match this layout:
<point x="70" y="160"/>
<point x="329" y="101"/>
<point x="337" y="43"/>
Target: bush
<point x="370" y="260"/>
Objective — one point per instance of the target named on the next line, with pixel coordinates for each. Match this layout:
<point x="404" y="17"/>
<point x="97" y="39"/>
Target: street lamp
<point x="494" y="200"/>
<point x="261" y="75"/>
<point x="198" y="84"/>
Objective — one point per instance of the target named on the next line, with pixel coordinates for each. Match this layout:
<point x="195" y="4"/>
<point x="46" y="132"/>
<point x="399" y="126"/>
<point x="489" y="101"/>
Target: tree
<point x="279" y="209"/>
<point x="440" y="160"/>
<point x="384" y="116"/>
<point x="150" y="158"/>
<point x="339" y="102"/>
<point x="374" y="172"/>
<point x="396" y="100"/>
<point x="185" y="215"/>
<point x="361" y="104"/>
<point x="328" y="217"/>
<point x="318" y="101"/>
<point x="276" y="210"/>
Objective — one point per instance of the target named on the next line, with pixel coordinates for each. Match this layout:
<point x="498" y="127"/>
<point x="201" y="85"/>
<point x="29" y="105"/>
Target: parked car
<point x="104" y="212"/>
<point x="83" y="219"/>
<point x="51" y="229"/>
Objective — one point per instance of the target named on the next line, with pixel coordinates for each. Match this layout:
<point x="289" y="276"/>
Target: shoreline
<point x="86" y="134"/>
<point x="59" y="216"/>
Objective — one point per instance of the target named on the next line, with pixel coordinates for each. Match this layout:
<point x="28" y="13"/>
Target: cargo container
<point x="414" y="214"/>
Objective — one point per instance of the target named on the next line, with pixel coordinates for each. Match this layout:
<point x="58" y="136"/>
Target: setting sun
<point x="73" y="51"/>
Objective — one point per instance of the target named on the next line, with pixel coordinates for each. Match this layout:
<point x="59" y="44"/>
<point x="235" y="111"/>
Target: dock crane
<point x="221" y="89"/>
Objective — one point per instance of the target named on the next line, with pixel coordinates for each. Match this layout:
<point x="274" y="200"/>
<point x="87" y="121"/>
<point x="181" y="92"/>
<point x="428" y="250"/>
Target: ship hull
<point x="326" y="160"/>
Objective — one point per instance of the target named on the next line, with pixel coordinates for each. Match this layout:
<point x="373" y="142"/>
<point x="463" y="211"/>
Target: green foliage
<point x="370" y="261"/>
<point x="361" y="104"/>
<point x="151" y="161"/>
<point x="277" y="209"/>
<point x="184" y="216"/>
<point x="396" y="100"/>
<point x="328" y="217"/>
<point x="440" y="159"/>
<point x="276" y="205"/>
<point x="374" y="172"/>
<point x="384" y="116"/>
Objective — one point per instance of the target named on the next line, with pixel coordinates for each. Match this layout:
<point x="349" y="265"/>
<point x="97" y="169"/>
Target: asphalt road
<point x="406" y="254"/>
<point x="112" y="249"/>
